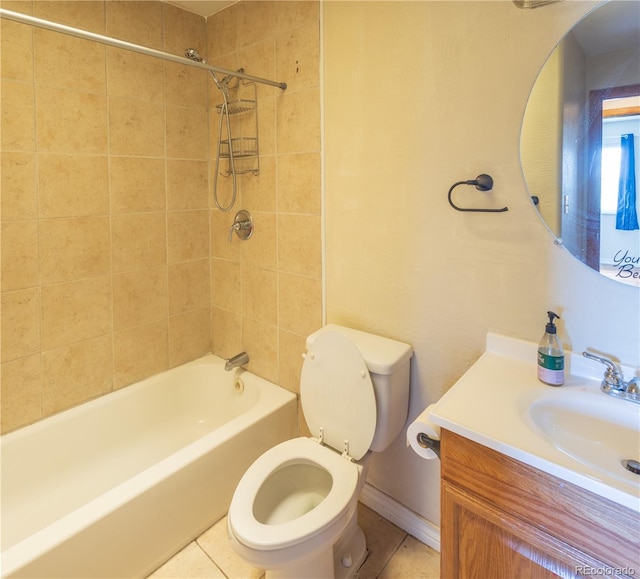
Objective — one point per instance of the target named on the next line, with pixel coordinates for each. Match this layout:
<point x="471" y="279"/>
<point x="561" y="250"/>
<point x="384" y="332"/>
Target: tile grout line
<point x="195" y="541"/>
<point x="395" y="551"/>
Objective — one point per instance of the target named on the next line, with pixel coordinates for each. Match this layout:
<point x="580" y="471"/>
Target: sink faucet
<point x="613" y="382"/>
<point x="238" y="360"/>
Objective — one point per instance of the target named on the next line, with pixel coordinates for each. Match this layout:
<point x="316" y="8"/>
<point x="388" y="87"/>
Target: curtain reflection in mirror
<point x="626" y="215"/>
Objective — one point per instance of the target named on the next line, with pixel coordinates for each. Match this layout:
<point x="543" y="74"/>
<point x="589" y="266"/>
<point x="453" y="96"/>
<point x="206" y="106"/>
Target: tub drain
<point x="238" y="386"/>
<point x="632" y="465"/>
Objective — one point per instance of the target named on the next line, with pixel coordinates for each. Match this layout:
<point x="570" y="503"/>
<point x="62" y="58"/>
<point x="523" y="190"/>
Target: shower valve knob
<point x="242" y="225"/>
<point x="234" y="227"/>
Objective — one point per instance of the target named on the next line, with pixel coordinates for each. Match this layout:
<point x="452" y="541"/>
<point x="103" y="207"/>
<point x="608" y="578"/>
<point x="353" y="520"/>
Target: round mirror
<point x="580" y="141"/>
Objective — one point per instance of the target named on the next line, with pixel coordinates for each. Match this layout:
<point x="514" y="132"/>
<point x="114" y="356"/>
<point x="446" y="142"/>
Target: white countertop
<point x="490" y="405"/>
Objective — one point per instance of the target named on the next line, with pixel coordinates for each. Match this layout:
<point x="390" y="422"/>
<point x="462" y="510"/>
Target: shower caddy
<point x="241" y="152"/>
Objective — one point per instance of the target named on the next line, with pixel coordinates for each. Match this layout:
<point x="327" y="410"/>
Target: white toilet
<point x="294" y="512"/>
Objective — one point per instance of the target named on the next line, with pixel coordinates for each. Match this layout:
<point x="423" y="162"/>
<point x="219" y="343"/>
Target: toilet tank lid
<point x="382" y="355"/>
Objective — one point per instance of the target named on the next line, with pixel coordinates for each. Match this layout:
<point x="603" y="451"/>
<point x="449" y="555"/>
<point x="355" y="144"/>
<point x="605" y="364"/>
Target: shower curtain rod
<point x="79" y="33"/>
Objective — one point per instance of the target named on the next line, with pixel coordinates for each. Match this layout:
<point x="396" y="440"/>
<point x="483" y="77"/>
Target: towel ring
<point x="482" y="183"/>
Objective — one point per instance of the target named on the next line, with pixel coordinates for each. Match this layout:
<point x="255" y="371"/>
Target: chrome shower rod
<point x="79" y="33"/>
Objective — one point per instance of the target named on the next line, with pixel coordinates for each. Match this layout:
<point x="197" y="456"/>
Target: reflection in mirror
<point x="533" y="3"/>
<point x="580" y="140"/>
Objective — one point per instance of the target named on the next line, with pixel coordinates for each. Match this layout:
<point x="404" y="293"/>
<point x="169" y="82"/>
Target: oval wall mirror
<point x="580" y="141"/>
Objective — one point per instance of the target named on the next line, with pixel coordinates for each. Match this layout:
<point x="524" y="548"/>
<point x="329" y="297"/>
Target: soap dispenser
<point x="551" y="355"/>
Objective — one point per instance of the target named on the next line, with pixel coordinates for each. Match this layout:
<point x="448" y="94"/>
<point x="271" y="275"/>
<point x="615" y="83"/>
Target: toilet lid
<point x="337" y="394"/>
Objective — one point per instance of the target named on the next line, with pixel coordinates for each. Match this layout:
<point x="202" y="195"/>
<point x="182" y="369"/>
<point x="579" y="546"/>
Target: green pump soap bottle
<point x="551" y="355"/>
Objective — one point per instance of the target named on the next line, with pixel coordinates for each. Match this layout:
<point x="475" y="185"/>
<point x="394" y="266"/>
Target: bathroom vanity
<point x="532" y="479"/>
<point x="503" y="518"/>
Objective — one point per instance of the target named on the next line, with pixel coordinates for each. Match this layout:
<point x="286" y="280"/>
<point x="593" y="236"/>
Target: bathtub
<point x="116" y="486"/>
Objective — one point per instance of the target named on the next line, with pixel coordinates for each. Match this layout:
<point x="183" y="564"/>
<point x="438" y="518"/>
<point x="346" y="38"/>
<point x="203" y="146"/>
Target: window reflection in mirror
<point x="620" y="166"/>
<point x="612" y="232"/>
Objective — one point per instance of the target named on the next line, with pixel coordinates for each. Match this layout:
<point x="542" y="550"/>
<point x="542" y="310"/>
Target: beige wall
<point x="267" y="291"/>
<point x="105" y="225"/>
<point x="419" y="95"/>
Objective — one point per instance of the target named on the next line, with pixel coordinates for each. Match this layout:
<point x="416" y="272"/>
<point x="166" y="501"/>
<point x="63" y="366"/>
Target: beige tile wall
<point x="267" y="291"/>
<point x="115" y="262"/>
<point x="105" y="216"/>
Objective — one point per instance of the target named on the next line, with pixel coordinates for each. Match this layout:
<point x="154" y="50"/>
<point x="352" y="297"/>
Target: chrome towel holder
<point x="482" y="182"/>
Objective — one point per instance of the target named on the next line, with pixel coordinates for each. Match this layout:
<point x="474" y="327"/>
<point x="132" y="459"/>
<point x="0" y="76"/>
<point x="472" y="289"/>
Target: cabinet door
<point x="482" y="542"/>
<point x="555" y="522"/>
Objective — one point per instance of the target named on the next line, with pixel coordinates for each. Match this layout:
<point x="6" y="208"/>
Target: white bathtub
<point x="116" y="486"/>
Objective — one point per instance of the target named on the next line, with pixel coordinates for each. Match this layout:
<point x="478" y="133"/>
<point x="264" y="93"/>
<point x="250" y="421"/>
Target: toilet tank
<point x="388" y="363"/>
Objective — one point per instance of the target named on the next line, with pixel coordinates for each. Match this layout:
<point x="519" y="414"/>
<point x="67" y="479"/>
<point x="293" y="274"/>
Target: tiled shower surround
<point x="115" y="262"/>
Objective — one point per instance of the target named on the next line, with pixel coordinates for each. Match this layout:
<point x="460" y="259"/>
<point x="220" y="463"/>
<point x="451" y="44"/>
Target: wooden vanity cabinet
<point x="501" y="519"/>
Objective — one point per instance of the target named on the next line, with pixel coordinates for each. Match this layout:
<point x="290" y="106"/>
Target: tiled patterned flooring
<point x="392" y="555"/>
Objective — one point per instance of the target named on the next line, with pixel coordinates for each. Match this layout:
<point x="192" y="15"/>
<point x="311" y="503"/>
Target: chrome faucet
<point x="238" y="360"/>
<point x="613" y="382"/>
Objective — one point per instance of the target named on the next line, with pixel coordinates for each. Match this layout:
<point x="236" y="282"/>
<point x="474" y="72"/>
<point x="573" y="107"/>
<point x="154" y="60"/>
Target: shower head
<point x="193" y="54"/>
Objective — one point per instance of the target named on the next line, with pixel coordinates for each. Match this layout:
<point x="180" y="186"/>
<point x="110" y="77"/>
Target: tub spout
<point x="238" y="360"/>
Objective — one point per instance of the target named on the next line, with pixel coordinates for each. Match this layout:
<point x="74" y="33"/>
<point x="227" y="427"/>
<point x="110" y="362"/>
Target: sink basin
<point x="592" y="428"/>
<point x="575" y="433"/>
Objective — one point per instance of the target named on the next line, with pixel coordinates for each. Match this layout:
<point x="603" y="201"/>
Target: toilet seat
<point x="337" y="395"/>
<point x="265" y="537"/>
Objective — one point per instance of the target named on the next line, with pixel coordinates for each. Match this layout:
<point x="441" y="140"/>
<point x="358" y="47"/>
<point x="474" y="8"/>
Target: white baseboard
<point x="418" y="527"/>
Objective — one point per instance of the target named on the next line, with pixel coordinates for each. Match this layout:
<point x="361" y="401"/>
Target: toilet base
<point x="350" y="551"/>
<point x="340" y="562"/>
<point x="320" y="566"/>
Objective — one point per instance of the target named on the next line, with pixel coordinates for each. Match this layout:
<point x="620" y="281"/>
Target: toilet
<point x="294" y="512"/>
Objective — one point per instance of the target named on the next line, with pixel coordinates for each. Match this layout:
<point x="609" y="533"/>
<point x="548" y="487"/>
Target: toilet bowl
<point x="291" y="507"/>
<point x="294" y="512"/>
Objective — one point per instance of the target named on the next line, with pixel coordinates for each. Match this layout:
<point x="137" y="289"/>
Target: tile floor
<point x="393" y="554"/>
